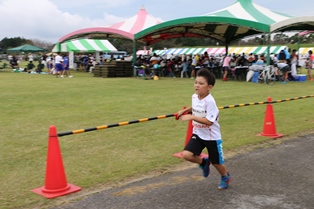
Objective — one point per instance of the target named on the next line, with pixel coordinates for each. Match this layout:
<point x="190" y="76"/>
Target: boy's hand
<point x="180" y="113"/>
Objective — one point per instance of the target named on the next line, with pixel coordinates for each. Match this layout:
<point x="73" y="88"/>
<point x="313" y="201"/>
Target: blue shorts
<point x="226" y="68"/>
<point x="214" y="148"/>
<point x="59" y="67"/>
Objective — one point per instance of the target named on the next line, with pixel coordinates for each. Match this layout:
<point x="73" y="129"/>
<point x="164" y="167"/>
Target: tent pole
<point x="134" y="52"/>
<point x="298" y="45"/>
<point x="268" y="48"/>
<point x="227" y="46"/>
<point x="134" y="57"/>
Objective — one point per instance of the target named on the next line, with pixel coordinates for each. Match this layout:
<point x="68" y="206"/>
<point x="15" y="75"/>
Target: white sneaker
<point x="61" y="76"/>
<point x="70" y="76"/>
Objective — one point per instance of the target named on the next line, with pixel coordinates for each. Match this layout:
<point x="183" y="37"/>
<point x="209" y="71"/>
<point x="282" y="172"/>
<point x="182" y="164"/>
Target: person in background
<point x="294" y="61"/>
<point x="205" y="63"/>
<point x="194" y="64"/>
<point x="170" y="67"/>
<point x="206" y="128"/>
<point x="59" y="65"/>
<point x="52" y="65"/>
<point x="283" y="56"/>
<point x="66" y="69"/>
<point x="14" y="63"/>
<point x="154" y="64"/>
<point x="184" y="65"/>
<point x="284" y="69"/>
<point x="251" y="59"/>
<point x="309" y="64"/>
<point x="85" y="63"/>
<point x="94" y="63"/>
<point x="30" y="57"/>
<point x="30" y="66"/>
<point x="226" y="66"/>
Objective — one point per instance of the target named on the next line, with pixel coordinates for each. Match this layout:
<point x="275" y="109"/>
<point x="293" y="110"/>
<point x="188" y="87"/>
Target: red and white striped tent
<point x="125" y="29"/>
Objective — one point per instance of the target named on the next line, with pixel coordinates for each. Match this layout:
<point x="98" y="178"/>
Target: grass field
<point x="30" y="104"/>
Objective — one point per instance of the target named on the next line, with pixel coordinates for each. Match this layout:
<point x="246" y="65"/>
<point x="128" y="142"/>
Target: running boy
<point x="206" y="129"/>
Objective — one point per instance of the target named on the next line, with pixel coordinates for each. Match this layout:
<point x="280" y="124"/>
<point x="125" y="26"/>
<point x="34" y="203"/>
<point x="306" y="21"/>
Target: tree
<point x="12" y="42"/>
<point x="42" y="44"/>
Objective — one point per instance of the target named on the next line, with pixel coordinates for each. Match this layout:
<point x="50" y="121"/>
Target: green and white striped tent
<point x="242" y="19"/>
<point x="159" y="52"/>
<point x="248" y="10"/>
<point x="84" y="45"/>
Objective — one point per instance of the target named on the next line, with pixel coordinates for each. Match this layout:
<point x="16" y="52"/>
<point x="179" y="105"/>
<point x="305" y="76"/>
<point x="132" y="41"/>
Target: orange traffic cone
<point x="189" y="133"/>
<point x="269" y="123"/>
<point x="55" y="183"/>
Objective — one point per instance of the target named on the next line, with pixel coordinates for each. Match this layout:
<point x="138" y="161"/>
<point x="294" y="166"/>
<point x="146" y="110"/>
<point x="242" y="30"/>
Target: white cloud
<point x="49" y="20"/>
<point x="43" y="20"/>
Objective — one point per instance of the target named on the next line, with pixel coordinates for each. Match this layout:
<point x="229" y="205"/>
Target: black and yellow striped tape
<point x="172" y="115"/>
<point x="115" y="125"/>
<point x="267" y="102"/>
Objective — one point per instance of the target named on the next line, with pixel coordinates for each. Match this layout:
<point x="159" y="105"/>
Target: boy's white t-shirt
<point x="206" y="108"/>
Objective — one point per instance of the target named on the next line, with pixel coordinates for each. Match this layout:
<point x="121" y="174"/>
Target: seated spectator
<point x="251" y="59"/>
<point x="14" y="63"/>
<point x="89" y="64"/>
<point x="211" y="63"/>
<point x="154" y="60"/>
<point x="94" y="63"/>
<point x="170" y="67"/>
<point x="258" y="65"/>
<point x="30" y="66"/>
<point x="40" y="68"/>
<point x="242" y="61"/>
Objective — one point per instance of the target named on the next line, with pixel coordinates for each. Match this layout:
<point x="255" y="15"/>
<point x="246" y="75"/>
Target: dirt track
<point x="279" y="176"/>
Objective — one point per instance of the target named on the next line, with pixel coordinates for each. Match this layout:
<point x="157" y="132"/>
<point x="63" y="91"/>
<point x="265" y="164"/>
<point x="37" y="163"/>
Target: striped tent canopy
<point x="147" y="52"/>
<point x="256" y="50"/>
<point x="142" y="52"/>
<point x="125" y="29"/>
<point x="177" y="51"/>
<point x="305" y="50"/>
<point x="159" y="52"/>
<point x="221" y="50"/>
<point x="241" y="19"/>
<point x="84" y="45"/>
<point x="247" y="10"/>
<point x="216" y="51"/>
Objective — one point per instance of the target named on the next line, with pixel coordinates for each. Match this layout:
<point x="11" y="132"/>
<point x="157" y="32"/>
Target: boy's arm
<point x="197" y="119"/>
<point x="187" y="117"/>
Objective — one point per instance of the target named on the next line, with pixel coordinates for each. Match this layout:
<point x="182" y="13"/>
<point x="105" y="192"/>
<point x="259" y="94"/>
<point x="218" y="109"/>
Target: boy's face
<point x="201" y="87"/>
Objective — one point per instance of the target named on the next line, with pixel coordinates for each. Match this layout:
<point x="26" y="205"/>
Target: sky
<point x="49" y="20"/>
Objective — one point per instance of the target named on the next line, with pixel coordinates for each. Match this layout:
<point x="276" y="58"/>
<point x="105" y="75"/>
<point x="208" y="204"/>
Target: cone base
<point x="72" y="188"/>
<point x="179" y="154"/>
<point x="274" y="136"/>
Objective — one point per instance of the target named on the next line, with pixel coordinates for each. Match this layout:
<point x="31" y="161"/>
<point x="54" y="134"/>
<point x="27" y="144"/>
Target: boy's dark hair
<point x="209" y="76"/>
